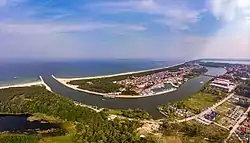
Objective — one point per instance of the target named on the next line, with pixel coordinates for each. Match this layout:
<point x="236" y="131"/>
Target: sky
<point x="130" y="29"/>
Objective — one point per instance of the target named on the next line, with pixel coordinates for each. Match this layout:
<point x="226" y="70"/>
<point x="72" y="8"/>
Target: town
<point x="224" y="102"/>
<point x="146" y="83"/>
<point x="160" y="81"/>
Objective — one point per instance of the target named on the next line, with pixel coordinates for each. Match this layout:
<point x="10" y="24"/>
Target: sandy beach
<point x="22" y="85"/>
<point x="65" y="81"/>
<point x="40" y="82"/>
<point x="75" y="87"/>
<point x="112" y="75"/>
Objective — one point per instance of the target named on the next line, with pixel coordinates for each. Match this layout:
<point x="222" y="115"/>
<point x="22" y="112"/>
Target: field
<point x="194" y="104"/>
<point x="199" y="101"/>
<point x="193" y="132"/>
<point x="62" y="139"/>
<point x="224" y="111"/>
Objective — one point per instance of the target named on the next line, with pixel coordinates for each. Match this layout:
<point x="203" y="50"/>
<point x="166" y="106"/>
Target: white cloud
<point x="48" y="28"/>
<point x="175" y="14"/>
<point x="229" y="10"/>
<point x="136" y="28"/>
<point x="232" y="41"/>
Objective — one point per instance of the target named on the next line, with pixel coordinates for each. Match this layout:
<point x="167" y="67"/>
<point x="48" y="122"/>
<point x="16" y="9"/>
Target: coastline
<point x="118" y="74"/>
<point x="75" y="87"/>
<point x="64" y="81"/>
<point x="40" y="82"/>
<point x="22" y="85"/>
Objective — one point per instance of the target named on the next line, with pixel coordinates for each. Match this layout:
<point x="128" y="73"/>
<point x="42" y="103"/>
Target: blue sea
<point x="23" y="72"/>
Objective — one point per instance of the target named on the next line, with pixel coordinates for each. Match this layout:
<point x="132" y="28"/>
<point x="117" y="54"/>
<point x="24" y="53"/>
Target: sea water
<point x="24" y="72"/>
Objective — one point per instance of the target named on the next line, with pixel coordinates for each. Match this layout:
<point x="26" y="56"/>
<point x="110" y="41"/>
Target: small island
<point x="138" y="84"/>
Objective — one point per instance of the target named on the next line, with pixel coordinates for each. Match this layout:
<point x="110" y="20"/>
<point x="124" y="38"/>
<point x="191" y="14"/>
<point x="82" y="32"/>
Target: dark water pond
<point x="20" y="124"/>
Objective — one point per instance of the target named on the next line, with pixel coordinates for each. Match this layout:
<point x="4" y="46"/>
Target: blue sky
<point x="104" y="29"/>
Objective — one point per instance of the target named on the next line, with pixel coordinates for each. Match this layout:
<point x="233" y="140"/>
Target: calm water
<point x="20" y="124"/>
<point x="30" y="71"/>
<point x="11" y="73"/>
<point x="148" y="104"/>
<point x="247" y="62"/>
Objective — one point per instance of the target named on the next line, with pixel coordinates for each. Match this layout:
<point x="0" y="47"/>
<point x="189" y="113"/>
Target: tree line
<point x="90" y="126"/>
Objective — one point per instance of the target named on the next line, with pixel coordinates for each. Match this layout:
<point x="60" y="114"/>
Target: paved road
<point x="243" y="117"/>
<point x="208" y="110"/>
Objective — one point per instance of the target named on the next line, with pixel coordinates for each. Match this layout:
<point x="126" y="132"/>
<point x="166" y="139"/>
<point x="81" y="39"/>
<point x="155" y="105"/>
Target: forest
<point x="243" y="89"/>
<point x="214" y="64"/>
<point x="194" y="132"/>
<point x="90" y="126"/>
<point x="130" y="113"/>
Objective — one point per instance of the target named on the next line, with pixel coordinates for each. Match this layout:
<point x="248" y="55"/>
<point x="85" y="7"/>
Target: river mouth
<point x="12" y="123"/>
<point x="148" y="104"/>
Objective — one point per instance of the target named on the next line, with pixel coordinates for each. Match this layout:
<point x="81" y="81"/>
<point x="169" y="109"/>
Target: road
<point x="243" y="117"/>
<point x="206" y="111"/>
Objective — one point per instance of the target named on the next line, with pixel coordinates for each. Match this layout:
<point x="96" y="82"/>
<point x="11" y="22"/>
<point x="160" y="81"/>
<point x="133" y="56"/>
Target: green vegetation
<point x="195" y="73"/>
<point x="216" y="65"/>
<point x="194" y="132"/>
<point x="102" y="85"/>
<point x="107" y="85"/>
<point x="194" y="104"/>
<point x="18" y="138"/>
<point x="200" y="101"/>
<point x="89" y="125"/>
<point x="243" y="89"/>
<point x="67" y="138"/>
<point x="130" y="113"/>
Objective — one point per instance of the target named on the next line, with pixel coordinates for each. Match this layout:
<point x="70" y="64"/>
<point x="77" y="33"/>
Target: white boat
<point x="202" y="82"/>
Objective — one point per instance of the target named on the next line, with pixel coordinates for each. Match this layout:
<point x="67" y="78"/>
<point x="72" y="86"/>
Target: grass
<point x="17" y="138"/>
<point x="172" y="139"/>
<point x="234" y="139"/>
<point x="194" y="104"/>
<point x="113" y="112"/>
<point x="224" y="108"/>
<point x="40" y="116"/>
<point x="199" y="101"/>
<point x="61" y="139"/>
<point x="69" y="126"/>
<point x="194" y="132"/>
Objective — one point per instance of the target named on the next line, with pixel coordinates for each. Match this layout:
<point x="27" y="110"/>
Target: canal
<point x="148" y="104"/>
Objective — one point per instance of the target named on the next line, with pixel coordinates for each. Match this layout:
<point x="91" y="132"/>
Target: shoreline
<point x="39" y="82"/>
<point x="22" y="84"/>
<point x="75" y="87"/>
<point x="117" y="74"/>
<point x="65" y="81"/>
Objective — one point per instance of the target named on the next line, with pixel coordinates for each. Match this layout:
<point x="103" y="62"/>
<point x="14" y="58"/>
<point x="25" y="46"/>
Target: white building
<point x="223" y="84"/>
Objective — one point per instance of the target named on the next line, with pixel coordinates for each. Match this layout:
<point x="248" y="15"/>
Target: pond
<point x="21" y="124"/>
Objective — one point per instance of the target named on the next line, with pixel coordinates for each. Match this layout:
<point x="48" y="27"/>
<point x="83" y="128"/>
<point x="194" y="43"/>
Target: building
<point x="223" y="84"/>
